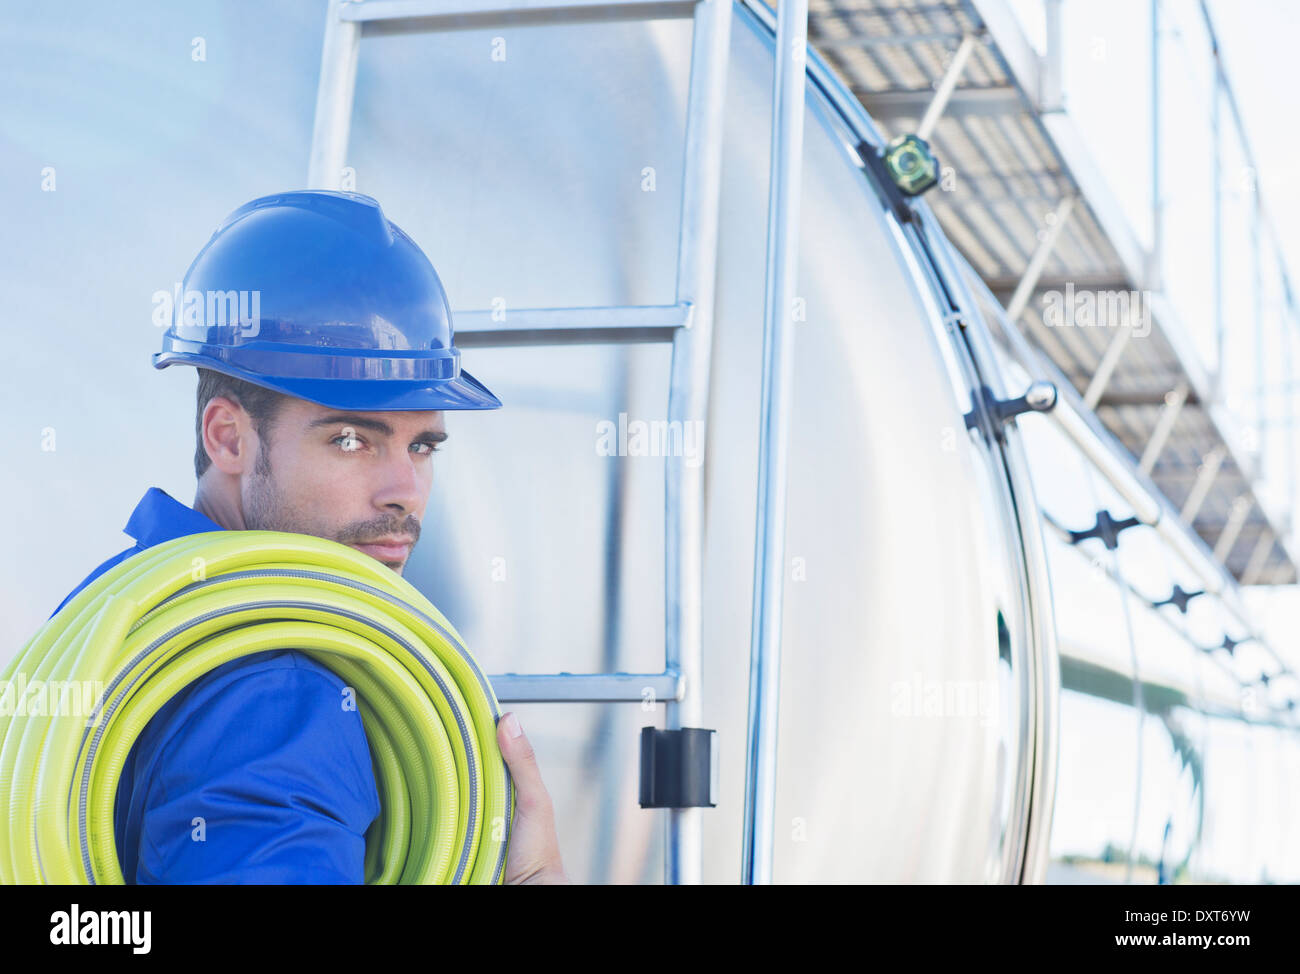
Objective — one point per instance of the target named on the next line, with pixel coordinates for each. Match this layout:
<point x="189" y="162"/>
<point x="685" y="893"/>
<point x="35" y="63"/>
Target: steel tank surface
<point x="904" y="715"/>
<point x="966" y="695"/>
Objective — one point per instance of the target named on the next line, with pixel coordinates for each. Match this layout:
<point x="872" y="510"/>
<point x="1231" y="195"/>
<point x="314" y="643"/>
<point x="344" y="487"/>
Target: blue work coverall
<point x="254" y="773"/>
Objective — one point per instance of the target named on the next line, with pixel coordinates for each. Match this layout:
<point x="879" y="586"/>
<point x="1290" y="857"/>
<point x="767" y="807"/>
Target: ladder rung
<point x="419" y="16"/>
<point x="572" y="326"/>
<point x="587" y="687"/>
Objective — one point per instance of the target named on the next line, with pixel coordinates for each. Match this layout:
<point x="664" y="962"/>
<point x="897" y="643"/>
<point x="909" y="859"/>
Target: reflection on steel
<point x="1026" y="844"/>
<point x="788" y="95"/>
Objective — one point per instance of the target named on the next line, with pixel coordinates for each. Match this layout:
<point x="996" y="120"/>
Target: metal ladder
<point x="687" y="324"/>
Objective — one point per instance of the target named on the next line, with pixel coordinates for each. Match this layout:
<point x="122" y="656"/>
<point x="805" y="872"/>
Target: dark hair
<point x="261" y="404"/>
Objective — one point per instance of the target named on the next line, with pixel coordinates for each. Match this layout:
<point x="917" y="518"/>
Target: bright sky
<point x="1258" y="51"/>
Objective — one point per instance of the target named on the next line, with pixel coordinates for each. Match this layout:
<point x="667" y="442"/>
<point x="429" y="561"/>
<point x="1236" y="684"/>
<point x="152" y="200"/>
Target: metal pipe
<point x="338" y="80"/>
<point x="1217" y="233"/>
<point x="934" y="111"/>
<point x="1212" y="577"/>
<point x="1258" y="557"/>
<point x="580" y="326"/>
<point x="1257" y="287"/>
<point x="688" y="403"/>
<point x="1055" y="224"/>
<point x="1109" y="359"/>
<point x="859" y="41"/>
<point x="778" y="333"/>
<point x="1050" y="81"/>
<point x="1289" y="355"/>
<point x="1174" y="401"/>
<point x="1236" y="521"/>
<point x="1155" y="257"/>
<point x="1209" y="469"/>
<point x="426" y="16"/>
<point x="587" y="687"/>
<point x="1112" y="467"/>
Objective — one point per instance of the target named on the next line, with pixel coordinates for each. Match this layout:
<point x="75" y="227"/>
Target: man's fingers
<point x="534" y="846"/>
<point x="529" y="790"/>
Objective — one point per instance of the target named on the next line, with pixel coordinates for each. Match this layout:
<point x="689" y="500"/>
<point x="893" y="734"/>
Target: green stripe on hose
<point x="156" y="622"/>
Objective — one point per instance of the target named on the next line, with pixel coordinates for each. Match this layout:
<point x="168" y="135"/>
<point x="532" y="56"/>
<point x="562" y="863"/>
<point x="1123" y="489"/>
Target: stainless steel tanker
<point x="966" y="695"/>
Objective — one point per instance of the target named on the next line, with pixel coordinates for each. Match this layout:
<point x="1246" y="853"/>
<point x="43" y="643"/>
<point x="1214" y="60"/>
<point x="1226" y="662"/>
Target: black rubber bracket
<point x="679" y="768"/>
<point x="1107" y="529"/>
<point x="1178" y="598"/>
<point x="1040" y="397"/>
<point x="895" y="200"/>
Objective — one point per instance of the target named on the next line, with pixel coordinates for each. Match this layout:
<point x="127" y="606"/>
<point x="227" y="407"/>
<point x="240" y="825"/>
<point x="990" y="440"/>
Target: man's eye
<point x="348" y="441"/>
<point x="426" y="448"/>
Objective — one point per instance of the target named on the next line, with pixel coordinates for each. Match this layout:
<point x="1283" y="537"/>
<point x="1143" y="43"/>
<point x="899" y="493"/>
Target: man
<point x="325" y="364"/>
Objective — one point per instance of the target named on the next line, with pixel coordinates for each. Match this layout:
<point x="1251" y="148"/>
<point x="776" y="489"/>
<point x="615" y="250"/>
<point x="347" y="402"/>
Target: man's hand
<point x="534" y="846"/>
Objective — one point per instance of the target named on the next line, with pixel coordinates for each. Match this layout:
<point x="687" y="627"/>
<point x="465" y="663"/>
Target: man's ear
<point x="228" y="436"/>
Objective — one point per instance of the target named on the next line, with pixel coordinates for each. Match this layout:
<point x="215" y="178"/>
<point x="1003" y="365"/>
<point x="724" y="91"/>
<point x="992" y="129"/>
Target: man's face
<point x="361" y="479"/>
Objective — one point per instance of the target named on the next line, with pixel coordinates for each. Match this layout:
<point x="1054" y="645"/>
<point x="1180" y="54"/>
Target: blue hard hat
<point x="318" y="295"/>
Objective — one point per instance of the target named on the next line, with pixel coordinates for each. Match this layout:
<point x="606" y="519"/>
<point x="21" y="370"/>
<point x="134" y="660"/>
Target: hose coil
<point x="159" y="620"/>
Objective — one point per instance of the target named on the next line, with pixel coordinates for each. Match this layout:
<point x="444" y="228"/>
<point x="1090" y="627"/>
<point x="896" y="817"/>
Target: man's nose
<point x="402" y="489"/>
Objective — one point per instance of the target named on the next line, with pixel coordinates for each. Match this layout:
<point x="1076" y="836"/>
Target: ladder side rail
<point x="788" y="95"/>
<point x="334" y="97"/>
<point x="688" y="403"/>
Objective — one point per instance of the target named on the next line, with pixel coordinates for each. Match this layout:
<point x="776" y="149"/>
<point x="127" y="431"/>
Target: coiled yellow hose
<point x="162" y="618"/>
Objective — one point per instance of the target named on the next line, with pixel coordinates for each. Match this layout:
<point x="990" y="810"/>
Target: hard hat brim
<point x="364" y="395"/>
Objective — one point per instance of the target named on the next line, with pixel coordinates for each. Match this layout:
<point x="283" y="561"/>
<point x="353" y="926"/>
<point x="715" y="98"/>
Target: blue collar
<point x="160" y="517"/>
